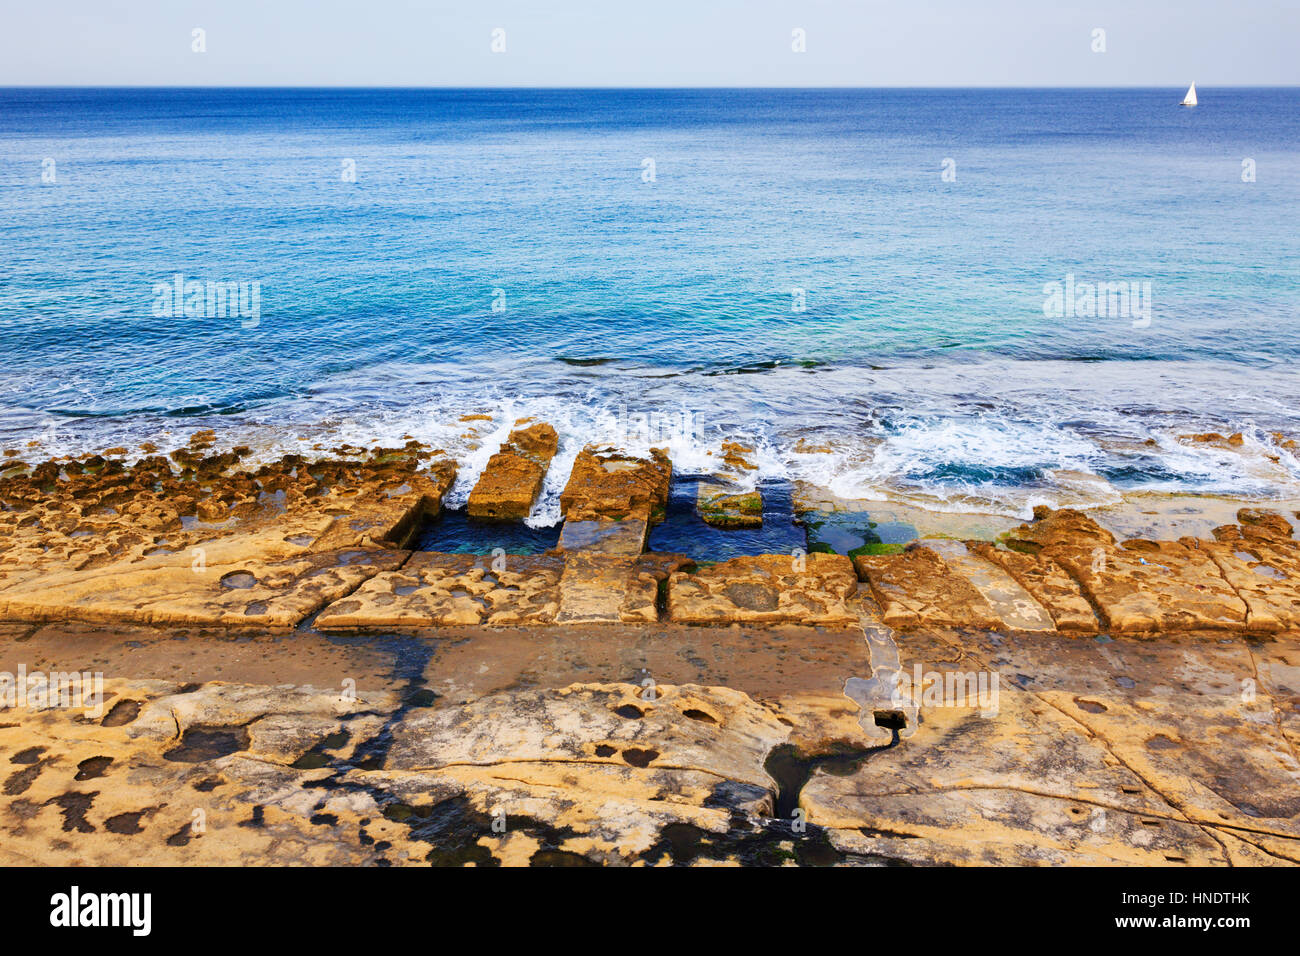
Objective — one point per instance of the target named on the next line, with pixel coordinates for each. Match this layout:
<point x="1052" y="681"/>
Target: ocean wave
<point x="998" y="438"/>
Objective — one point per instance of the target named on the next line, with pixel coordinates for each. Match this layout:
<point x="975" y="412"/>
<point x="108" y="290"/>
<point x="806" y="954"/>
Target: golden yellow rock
<point x="1049" y="584"/>
<point x="1154" y="586"/>
<point x="918" y="588"/>
<point x="99" y="540"/>
<point x="433" y="589"/>
<point x="509" y="485"/>
<point x="769" y="588"/>
<point x="607" y="484"/>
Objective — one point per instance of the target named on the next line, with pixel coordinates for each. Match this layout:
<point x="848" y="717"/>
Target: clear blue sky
<point x="652" y="43"/>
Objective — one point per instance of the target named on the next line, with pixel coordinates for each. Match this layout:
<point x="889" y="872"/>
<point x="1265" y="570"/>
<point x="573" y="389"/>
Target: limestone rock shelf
<point x="201" y="540"/>
<point x="197" y="538"/>
<point x="1100" y="759"/>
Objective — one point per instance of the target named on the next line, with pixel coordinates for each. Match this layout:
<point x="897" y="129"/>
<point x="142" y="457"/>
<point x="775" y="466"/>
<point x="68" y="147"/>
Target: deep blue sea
<point x="861" y="270"/>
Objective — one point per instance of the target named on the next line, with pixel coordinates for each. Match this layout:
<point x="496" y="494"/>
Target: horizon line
<point x="892" y="86"/>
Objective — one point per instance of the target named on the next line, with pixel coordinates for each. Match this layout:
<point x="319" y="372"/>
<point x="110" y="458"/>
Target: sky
<point x="652" y="43"/>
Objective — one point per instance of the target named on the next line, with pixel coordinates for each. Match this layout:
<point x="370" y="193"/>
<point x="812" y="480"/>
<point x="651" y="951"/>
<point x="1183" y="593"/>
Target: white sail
<point x="1190" y="98"/>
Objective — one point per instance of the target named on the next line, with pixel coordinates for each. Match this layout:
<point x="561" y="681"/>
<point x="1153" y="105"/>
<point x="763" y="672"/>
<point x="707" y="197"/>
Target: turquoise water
<point x="918" y="350"/>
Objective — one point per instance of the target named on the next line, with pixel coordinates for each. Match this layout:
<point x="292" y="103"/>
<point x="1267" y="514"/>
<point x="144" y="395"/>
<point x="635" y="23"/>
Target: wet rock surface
<point x="608" y="484"/>
<point x="722" y="506"/>
<point x="1056" y="696"/>
<point x="509" y="485"/>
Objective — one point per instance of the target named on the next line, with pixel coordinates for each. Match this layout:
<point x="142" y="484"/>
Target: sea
<point x="964" y="299"/>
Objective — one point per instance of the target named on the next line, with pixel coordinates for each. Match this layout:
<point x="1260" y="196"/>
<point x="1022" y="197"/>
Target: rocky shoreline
<point x="644" y="708"/>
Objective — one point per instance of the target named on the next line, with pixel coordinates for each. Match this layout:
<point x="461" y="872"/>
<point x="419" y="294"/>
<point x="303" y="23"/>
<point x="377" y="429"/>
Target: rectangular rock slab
<point x="766" y="589"/>
<point x="917" y="589"/>
<point x="1151" y="586"/>
<point x="222" y="588"/>
<point x="594" y="588"/>
<point x="1010" y="601"/>
<point x="444" y="590"/>
<point x="604" y="536"/>
<point x="1048" y="583"/>
<point x="509" y="485"/>
<point x="607" y="484"/>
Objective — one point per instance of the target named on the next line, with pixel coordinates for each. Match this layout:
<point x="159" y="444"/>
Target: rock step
<point x="766" y="589"/>
<point x="513" y="478"/>
<point x="1014" y="605"/>
<point x="1048" y="583"/>
<point x="917" y="588"/>
<point x="594" y="588"/>
<point x="605" y="536"/>
<point x="608" y="484"/>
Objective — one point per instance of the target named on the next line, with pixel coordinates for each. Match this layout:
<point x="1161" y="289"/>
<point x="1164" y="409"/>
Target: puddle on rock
<point x="92" y="767"/>
<point x="122" y="713"/>
<point x="208" y="743"/>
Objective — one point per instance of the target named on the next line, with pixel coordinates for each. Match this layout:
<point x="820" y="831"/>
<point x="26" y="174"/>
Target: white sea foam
<point x="997" y="438"/>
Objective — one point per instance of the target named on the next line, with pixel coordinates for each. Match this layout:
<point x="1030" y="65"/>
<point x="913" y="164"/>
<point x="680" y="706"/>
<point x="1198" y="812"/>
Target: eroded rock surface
<point x="606" y="484"/>
<point x="197" y="539"/>
<point x="1086" y="752"/>
<point x="1261" y="561"/>
<point x="433" y="589"/>
<point x="509" y="485"/>
<point x="233" y="582"/>
<point x="1151" y="586"/>
<point x="1241" y="581"/>
<point x="770" y="588"/>
<point x="246" y="775"/>
<point x="1092" y="753"/>
<point x="446" y="590"/>
<point x="917" y="587"/>
<point x="1048" y="583"/>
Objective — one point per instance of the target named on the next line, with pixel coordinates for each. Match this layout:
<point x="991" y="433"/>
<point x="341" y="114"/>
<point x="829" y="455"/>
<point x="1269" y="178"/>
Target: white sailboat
<point x="1190" y="98"/>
